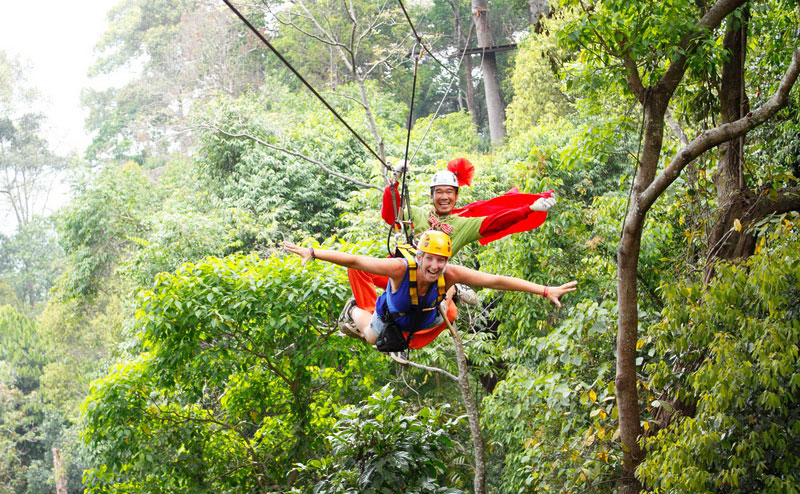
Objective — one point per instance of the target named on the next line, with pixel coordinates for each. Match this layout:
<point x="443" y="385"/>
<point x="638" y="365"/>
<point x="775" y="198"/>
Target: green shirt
<point x="465" y="230"/>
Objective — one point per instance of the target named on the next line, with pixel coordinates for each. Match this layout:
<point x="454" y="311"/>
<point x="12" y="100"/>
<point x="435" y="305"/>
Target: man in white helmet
<point x="484" y="221"/>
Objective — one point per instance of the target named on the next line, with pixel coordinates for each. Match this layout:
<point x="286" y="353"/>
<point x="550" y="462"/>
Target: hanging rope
<point x="302" y="79"/>
<point x="636" y="163"/>
<point x="398" y="225"/>
<point x="404" y="194"/>
<point x="453" y="78"/>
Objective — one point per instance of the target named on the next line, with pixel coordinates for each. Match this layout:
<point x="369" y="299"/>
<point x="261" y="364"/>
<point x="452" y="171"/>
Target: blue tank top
<point x="400" y="302"/>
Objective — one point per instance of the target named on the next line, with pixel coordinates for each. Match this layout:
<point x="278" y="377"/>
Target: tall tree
<point x="236" y="385"/>
<point x="181" y="54"/>
<point x="617" y="36"/>
<point x="741" y="202"/>
<point x="491" y="77"/>
<point x="28" y="167"/>
<point x="362" y="36"/>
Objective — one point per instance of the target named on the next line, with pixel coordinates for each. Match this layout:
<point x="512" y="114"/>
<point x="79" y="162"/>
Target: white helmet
<point x="444" y="177"/>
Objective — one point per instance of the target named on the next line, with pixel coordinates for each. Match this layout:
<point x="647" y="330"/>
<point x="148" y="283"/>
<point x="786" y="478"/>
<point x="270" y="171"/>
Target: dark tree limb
<point x="723" y="133"/>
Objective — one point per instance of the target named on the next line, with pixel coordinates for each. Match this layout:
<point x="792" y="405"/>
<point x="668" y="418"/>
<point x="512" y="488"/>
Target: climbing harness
<point x="393" y="338"/>
<point x="407" y="252"/>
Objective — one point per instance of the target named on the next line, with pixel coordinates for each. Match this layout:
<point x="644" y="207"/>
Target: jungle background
<point x="155" y="338"/>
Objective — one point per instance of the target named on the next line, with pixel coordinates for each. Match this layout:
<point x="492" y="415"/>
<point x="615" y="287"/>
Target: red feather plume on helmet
<point x="463" y="170"/>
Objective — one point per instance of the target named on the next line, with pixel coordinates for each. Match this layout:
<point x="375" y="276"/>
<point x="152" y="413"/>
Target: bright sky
<point x="57" y="38"/>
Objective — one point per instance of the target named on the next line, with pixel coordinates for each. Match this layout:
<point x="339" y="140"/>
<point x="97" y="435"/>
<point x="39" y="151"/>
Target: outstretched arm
<point x="390" y="267"/>
<point x="460" y="274"/>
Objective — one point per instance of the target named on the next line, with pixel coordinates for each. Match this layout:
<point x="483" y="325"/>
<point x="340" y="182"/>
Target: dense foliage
<point x="730" y="352"/>
<point x="154" y="332"/>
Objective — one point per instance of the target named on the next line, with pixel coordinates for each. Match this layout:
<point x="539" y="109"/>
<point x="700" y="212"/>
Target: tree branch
<point x="403" y="361"/>
<point x="690" y="42"/>
<point x="676" y="128"/>
<point x="788" y="199"/>
<point x="341" y="47"/>
<point x="479" y="484"/>
<point x="295" y="154"/>
<point x="633" y="77"/>
<point x="722" y="133"/>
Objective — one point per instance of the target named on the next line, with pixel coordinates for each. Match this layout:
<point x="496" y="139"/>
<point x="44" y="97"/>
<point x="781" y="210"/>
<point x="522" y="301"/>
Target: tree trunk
<point x="625" y="379"/>
<point x="471" y="409"/>
<point x="491" y="78"/>
<point x="627" y="298"/>
<point x="733" y="198"/>
<point x="470" y="91"/>
<point x="735" y="202"/>
<point x="647" y="189"/>
<point x="59" y="472"/>
<point x="463" y="43"/>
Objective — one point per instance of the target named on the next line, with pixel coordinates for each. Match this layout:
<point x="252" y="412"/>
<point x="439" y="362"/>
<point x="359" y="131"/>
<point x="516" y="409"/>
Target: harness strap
<point x="406" y="251"/>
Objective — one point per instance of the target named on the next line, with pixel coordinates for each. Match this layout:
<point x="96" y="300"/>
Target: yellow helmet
<point x="435" y="242"/>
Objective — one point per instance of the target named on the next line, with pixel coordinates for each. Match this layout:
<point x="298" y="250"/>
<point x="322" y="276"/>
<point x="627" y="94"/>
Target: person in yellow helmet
<point x="482" y="221"/>
<point x="406" y="313"/>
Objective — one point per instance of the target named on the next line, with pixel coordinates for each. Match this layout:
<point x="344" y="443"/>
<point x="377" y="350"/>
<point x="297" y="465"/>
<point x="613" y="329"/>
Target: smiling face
<point x="444" y="199"/>
<point x="429" y="267"/>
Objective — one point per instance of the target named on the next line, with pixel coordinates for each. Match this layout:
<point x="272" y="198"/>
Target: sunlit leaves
<point x="241" y="374"/>
<point x="732" y="350"/>
<point x="557" y="420"/>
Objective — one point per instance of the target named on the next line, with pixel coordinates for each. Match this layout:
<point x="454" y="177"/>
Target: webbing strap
<point x="440" y="291"/>
<point x="406" y="251"/>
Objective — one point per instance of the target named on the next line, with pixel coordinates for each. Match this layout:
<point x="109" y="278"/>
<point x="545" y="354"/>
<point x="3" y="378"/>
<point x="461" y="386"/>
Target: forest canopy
<point x="156" y="338"/>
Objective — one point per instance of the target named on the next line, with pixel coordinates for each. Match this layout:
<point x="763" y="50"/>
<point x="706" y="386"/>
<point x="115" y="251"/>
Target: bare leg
<point x="362" y="319"/>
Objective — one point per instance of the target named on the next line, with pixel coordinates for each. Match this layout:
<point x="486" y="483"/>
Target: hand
<point x="303" y="252"/>
<point x="555" y="292"/>
<point x="543" y="204"/>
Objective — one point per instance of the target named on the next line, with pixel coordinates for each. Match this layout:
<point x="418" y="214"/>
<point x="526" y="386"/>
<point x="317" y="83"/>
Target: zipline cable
<point x="446" y="93"/>
<point x="302" y="79"/>
<point x="419" y="38"/>
<point x="404" y="193"/>
<point x="454" y="75"/>
<point x="404" y="196"/>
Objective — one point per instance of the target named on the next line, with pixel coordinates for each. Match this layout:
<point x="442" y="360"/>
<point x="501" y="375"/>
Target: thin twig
<point x="403" y="361"/>
<point x="295" y="154"/>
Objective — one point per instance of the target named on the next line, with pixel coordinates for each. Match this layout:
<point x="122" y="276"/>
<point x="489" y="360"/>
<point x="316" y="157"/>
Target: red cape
<point x="510" y="200"/>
